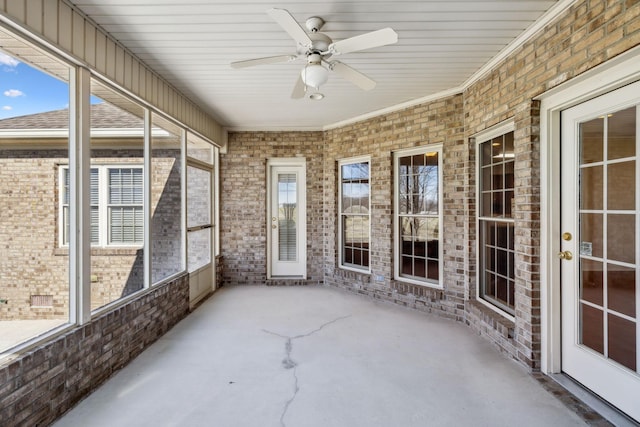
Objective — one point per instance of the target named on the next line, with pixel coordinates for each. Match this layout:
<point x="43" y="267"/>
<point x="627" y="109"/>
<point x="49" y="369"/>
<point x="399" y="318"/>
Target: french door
<point x="286" y="218"/>
<point x="600" y="246"/>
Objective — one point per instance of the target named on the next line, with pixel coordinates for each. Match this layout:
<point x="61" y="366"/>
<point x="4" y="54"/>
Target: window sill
<point x="492" y="309"/>
<point x="113" y="251"/>
<point x="355" y="270"/>
<point x="429" y="285"/>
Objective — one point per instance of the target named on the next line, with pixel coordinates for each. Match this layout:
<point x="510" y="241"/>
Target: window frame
<point x="481" y="138"/>
<point x="397" y="155"/>
<point x="340" y="251"/>
<point x="104" y="212"/>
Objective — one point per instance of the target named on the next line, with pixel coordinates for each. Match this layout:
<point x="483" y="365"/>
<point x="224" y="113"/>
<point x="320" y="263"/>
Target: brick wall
<point x="33" y="262"/>
<point x="243" y="197"/>
<point x="29" y="235"/>
<point x="587" y="34"/>
<point x="441" y="121"/>
<point x="39" y="385"/>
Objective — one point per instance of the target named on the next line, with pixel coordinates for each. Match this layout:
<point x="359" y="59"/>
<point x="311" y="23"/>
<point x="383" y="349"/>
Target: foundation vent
<point x="41" y="300"/>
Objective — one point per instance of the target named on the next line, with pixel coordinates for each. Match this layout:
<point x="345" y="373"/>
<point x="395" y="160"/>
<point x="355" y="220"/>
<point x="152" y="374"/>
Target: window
<point x="116" y="206"/>
<point x="418" y="218"/>
<point x="496" y="272"/>
<point x="354" y="218"/>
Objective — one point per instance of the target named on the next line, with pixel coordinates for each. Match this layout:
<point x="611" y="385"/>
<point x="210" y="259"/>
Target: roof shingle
<point x="103" y="116"/>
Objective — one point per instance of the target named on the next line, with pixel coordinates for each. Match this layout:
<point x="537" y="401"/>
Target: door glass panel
<point x="621" y="134"/>
<point x="621" y="178"/>
<point x="621" y="289"/>
<point x="591" y="187"/>
<point x="287" y="215"/>
<point x="592" y="328"/>
<point x="592" y="276"/>
<point x="198" y="248"/>
<point x="591" y="136"/>
<point x="591" y="232"/>
<point x="622" y="341"/>
<point x="621" y="242"/>
<point x="198" y="200"/>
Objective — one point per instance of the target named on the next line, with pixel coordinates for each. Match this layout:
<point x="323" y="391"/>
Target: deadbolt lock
<point x="274" y="226"/>
<point x="566" y="236"/>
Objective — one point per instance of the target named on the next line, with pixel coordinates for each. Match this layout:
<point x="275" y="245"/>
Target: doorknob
<point x="565" y="255"/>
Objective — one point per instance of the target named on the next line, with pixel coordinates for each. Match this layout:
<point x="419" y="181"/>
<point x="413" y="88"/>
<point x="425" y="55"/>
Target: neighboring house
<point x="35" y="175"/>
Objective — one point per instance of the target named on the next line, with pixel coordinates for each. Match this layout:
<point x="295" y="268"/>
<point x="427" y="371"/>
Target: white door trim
<point x="296" y="162"/>
<point x="618" y="72"/>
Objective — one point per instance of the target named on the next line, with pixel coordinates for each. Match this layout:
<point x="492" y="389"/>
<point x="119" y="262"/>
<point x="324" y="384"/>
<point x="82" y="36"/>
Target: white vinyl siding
<point x="116" y="206"/>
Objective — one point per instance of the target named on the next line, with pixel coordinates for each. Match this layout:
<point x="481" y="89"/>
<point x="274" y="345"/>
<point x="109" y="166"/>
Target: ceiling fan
<point x="317" y="48"/>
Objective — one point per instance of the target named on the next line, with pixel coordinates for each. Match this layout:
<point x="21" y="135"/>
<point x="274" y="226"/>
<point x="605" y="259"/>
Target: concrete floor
<point x="310" y="356"/>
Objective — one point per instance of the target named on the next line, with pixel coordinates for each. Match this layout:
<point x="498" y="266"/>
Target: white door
<point x="286" y="221"/>
<point x="600" y="243"/>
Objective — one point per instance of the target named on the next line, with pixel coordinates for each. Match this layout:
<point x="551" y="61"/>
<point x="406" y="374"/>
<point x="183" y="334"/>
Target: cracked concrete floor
<point x="315" y="356"/>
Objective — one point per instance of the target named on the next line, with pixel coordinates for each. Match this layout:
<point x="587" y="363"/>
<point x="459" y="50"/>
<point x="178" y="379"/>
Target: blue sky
<point x="26" y="90"/>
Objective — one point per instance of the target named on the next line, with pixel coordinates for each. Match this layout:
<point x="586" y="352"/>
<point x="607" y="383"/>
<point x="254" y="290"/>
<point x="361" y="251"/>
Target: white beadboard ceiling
<point x="443" y="44"/>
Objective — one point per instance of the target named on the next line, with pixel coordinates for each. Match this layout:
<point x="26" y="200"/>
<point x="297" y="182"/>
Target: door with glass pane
<point x="600" y="246"/>
<point x="199" y="230"/>
<point x="287" y="219"/>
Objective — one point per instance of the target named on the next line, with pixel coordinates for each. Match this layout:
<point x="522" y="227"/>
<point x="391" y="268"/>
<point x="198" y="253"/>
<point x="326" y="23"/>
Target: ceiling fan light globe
<point x="314" y="75"/>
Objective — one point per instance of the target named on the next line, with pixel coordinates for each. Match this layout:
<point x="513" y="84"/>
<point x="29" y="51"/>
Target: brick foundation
<point x="39" y="385"/>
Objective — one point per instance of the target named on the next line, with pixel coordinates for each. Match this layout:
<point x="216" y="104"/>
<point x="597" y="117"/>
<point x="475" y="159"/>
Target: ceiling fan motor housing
<point x="314" y="24"/>
<point x="319" y="44"/>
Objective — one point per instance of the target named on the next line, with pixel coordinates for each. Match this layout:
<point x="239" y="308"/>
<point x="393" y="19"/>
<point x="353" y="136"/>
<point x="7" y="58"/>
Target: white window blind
<point x="116" y="198"/>
<point x="125" y="205"/>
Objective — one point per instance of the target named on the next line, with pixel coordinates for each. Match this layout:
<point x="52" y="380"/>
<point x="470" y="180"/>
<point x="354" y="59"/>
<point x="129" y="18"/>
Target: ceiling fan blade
<point x="299" y="89"/>
<point x="355" y="77"/>
<point x="365" y="41"/>
<point x="290" y="25"/>
<point x="262" y="61"/>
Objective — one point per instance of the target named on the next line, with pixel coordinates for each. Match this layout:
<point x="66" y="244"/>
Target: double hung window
<point x="496" y="272"/>
<point x="116" y="206"/>
<point x="418" y="218"/>
<point x="354" y="219"/>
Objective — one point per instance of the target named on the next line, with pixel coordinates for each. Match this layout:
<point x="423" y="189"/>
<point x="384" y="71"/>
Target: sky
<point x="26" y="90"/>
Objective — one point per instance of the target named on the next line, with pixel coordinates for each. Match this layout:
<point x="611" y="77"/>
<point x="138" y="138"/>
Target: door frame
<point x="612" y="75"/>
<point x="297" y="162"/>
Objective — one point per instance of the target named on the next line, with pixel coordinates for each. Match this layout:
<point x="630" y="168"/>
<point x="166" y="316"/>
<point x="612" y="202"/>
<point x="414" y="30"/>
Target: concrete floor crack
<point x="289" y="363"/>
